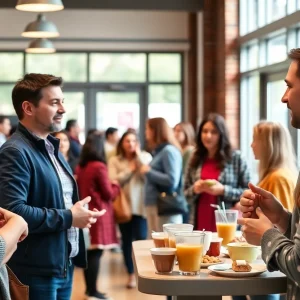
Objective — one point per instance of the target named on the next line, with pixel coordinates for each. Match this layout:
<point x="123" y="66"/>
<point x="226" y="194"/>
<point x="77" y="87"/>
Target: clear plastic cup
<point x="226" y="224"/>
<point x="171" y="229"/>
<point x="189" y="246"/>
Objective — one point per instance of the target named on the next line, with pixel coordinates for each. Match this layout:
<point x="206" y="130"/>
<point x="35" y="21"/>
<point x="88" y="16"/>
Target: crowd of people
<point x="52" y="187"/>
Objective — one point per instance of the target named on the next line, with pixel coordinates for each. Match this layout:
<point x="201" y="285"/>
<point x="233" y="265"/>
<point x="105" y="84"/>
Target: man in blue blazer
<point x="37" y="184"/>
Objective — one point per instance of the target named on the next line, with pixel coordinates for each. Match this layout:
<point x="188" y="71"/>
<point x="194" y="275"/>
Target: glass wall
<point x="263" y="65"/>
<point x="158" y="75"/>
<point x="255" y="14"/>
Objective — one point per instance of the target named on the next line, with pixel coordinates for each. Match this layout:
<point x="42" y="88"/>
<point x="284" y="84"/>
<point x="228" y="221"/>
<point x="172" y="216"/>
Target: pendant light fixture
<point x="40" y="5"/>
<point x="40" y="46"/>
<point x="41" y="28"/>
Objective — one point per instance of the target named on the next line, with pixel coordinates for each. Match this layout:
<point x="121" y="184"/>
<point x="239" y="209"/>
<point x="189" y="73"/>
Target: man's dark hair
<point x="109" y="131"/>
<point x="2" y="119"/>
<point x="294" y="54"/>
<point x="29" y="89"/>
<point x="71" y="123"/>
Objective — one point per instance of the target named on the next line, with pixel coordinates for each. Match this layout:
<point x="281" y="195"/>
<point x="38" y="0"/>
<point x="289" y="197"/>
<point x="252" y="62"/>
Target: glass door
<point x="122" y="109"/>
<point x="74" y="104"/>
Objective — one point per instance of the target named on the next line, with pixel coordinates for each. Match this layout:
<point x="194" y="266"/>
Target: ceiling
<point x="178" y="5"/>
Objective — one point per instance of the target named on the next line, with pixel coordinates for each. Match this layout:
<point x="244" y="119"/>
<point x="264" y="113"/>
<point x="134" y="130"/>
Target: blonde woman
<point x="277" y="170"/>
<point x="272" y="146"/>
<point x="124" y="168"/>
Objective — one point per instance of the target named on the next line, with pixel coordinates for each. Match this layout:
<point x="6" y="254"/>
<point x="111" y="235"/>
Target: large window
<point x="255" y="14"/>
<point x="72" y="67"/>
<point x="118" y="67"/>
<point x="263" y="66"/>
<point x="95" y="84"/>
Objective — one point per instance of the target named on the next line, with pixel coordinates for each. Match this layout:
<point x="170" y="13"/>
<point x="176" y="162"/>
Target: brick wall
<point x="221" y="62"/>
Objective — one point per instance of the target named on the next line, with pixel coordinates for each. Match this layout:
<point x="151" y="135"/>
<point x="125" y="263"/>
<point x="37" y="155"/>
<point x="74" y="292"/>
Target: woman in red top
<point x="92" y="179"/>
<point x="215" y="173"/>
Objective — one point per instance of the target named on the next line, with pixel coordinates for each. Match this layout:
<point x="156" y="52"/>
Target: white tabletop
<point x="207" y="285"/>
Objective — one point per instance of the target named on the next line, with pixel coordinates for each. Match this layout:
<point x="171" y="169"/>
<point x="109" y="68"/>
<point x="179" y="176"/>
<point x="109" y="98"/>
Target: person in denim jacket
<point x="164" y="171"/>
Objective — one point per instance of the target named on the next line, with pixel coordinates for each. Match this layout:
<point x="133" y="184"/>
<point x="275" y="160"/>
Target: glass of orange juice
<point x="226" y="224"/>
<point x="171" y="229"/>
<point x="189" y="251"/>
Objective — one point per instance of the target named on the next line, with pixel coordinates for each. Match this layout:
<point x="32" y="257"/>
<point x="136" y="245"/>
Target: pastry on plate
<point x="241" y="266"/>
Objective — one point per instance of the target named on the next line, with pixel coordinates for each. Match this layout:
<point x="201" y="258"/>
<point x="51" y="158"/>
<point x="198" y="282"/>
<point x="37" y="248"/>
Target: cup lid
<point x="163" y="251"/>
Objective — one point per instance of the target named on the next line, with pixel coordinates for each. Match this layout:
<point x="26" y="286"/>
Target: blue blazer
<point x="31" y="188"/>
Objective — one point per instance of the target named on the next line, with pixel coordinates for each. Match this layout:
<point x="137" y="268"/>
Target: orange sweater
<point x="281" y="183"/>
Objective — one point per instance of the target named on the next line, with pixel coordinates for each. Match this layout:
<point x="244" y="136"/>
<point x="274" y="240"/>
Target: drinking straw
<point x="224" y="212"/>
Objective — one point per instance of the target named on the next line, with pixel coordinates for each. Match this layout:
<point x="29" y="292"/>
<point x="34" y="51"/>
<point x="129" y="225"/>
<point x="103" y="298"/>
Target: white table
<point x="205" y="286"/>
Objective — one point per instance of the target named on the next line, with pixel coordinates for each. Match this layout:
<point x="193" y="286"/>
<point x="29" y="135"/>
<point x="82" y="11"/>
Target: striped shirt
<point x="67" y="187"/>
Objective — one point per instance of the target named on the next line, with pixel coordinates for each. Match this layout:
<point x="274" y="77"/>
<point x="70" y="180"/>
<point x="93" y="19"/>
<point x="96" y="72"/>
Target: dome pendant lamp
<point x="40" y="46"/>
<point x="40" y="5"/>
<point x="41" y="28"/>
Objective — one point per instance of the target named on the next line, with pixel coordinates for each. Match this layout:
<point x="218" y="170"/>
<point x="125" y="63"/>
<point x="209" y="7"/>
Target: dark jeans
<point x="92" y="271"/>
<point x="135" y="229"/>
<point x="48" y="288"/>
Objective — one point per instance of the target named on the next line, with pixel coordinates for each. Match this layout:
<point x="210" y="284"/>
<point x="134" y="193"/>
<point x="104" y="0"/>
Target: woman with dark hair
<point x="64" y="148"/>
<point x="164" y="173"/>
<point x="124" y="168"/>
<point x="215" y="173"/>
<point x="92" y="179"/>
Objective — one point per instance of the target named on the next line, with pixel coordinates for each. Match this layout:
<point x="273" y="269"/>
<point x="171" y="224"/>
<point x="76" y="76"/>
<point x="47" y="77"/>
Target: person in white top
<point x="124" y="168"/>
<point x="4" y="129"/>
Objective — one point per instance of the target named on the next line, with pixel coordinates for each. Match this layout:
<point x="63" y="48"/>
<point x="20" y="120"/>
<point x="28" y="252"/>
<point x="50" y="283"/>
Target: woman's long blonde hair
<point x="277" y="148"/>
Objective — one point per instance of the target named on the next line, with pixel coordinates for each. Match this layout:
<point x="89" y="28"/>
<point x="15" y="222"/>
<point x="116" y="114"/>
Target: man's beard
<point x="54" y="127"/>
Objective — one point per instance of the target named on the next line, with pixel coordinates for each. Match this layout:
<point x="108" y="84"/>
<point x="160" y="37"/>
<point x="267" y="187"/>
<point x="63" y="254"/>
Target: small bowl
<point x="163" y="259"/>
<point x="243" y="251"/>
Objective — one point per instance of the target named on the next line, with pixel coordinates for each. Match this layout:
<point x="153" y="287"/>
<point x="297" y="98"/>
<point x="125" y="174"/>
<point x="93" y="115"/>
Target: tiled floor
<point x="112" y="281"/>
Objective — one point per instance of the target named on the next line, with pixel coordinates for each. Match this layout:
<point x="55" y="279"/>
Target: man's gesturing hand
<point x="82" y="217"/>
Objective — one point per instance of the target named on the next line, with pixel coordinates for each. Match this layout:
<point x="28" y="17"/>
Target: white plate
<point x="205" y="265"/>
<point x="256" y="270"/>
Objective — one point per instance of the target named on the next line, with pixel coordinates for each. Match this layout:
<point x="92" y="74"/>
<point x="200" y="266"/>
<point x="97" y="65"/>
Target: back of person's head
<point x="277" y="148"/>
<point x="93" y="131"/>
<point x="224" y="151"/>
<point x="120" y="146"/>
<point x="109" y="131"/>
<point x="189" y="133"/>
<point x="29" y="88"/>
<point x="162" y="133"/>
<point x="70" y="124"/>
<point x="2" y="119"/>
<point x="5" y="125"/>
<point x="92" y="150"/>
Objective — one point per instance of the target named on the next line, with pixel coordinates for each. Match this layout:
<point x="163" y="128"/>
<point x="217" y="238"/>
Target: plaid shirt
<point x="67" y="187"/>
<point x="235" y="177"/>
